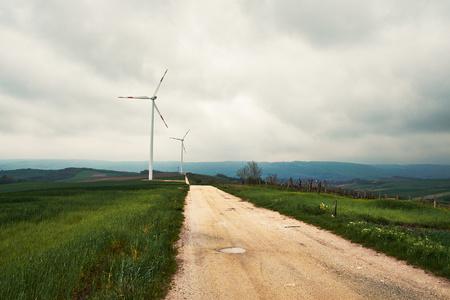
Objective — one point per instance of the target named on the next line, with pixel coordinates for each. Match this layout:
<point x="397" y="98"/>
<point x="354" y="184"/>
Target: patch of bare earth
<point x="114" y="178"/>
<point x="162" y="175"/>
<point x="283" y="258"/>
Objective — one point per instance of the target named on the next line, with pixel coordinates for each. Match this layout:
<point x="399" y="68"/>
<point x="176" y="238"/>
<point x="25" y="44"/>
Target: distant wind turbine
<point x="150" y="168"/>
<point x="182" y="148"/>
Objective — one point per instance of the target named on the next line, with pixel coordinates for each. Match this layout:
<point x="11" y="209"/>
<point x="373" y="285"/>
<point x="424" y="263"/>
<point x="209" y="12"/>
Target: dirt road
<point x="283" y="258"/>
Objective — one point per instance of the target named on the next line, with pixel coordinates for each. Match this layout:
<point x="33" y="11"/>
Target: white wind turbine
<point x="182" y="148"/>
<point x="150" y="168"/>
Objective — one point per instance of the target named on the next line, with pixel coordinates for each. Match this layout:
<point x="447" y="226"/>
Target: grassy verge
<point x="201" y="179"/>
<point x="98" y="240"/>
<point x="175" y="177"/>
<point x="406" y="230"/>
<point x="405" y="188"/>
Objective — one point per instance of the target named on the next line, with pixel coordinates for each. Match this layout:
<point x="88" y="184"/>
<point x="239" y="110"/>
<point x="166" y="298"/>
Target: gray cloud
<point x="325" y="24"/>
<point x="274" y="80"/>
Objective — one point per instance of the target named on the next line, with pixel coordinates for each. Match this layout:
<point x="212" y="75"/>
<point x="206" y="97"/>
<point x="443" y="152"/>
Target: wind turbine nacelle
<point x="153" y="98"/>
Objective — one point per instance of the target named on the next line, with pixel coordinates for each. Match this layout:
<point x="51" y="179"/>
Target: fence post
<point x="291" y="184"/>
<point x="434" y="201"/>
<point x="299" y="185"/>
<point x="335" y="208"/>
<point x="319" y="186"/>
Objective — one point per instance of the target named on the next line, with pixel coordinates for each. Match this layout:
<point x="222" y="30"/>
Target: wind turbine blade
<point x="161" y="115"/>
<point x="184" y="149"/>
<point x="186" y="134"/>
<point x="140" y="97"/>
<point x="160" y="83"/>
<point x="175" y="138"/>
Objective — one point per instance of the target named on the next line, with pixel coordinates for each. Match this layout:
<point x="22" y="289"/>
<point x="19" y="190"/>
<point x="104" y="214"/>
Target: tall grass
<point x="94" y="241"/>
<point x="407" y="230"/>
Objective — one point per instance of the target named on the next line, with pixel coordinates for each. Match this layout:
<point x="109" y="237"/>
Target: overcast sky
<point x="274" y="80"/>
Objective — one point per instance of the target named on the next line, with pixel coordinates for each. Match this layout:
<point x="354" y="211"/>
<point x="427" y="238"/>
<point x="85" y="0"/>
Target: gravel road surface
<point x="283" y="258"/>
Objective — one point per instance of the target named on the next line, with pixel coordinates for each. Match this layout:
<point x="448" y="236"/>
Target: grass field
<point x="407" y="230"/>
<point x="405" y="188"/>
<point x="105" y="240"/>
<point x="208" y="179"/>
<point x="114" y="239"/>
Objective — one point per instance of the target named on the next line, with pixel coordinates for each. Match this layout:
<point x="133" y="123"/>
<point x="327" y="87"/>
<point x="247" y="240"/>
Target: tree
<point x="250" y="173"/>
<point x="255" y="172"/>
<point x="242" y="173"/>
<point x="5" y="179"/>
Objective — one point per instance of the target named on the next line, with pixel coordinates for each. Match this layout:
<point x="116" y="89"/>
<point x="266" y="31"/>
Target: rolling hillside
<point x="67" y="174"/>
<point x="331" y="171"/>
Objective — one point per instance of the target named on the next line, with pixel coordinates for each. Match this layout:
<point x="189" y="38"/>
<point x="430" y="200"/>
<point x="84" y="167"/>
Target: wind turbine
<point x="182" y="148"/>
<point x="150" y="167"/>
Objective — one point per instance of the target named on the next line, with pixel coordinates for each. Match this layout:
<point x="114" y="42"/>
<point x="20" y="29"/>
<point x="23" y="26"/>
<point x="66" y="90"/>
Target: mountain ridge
<point x="321" y="170"/>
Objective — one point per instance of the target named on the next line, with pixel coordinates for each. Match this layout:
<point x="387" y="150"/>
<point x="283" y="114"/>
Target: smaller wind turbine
<point x="182" y="148"/>
<point x="150" y="167"/>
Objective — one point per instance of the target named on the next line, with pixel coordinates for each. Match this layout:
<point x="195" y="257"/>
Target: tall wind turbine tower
<point x="182" y="149"/>
<point x="153" y="98"/>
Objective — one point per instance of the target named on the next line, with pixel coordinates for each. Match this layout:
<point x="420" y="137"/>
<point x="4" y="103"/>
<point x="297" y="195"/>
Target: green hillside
<point x="404" y="187"/>
<point x="208" y="179"/>
<point x="321" y="170"/>
<point x="68" y="174"/>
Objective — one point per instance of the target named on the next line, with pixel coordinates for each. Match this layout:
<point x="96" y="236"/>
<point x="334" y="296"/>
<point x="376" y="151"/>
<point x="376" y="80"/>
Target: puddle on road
<point x="232" y="250"/>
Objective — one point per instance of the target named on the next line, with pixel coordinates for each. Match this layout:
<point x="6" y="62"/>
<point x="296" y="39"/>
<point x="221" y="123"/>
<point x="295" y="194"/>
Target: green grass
<point x="175" y="177"/>
<point x="410" y="231"/>
<point x="86" y="174"/>
<point x="104" y="240"/>
<point x="67" y="174"/>
<point x="201" y="179"/>
<point x="33" y="185"/>
<point x="405" y="187"/>
<point x="44" y="185"/>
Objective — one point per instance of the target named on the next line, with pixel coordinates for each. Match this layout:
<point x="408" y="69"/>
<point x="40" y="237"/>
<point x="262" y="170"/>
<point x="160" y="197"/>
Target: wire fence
<point x="317" y="186"/>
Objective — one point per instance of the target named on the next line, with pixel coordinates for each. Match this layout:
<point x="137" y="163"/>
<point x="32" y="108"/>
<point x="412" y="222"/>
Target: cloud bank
<point x="353" y="81"/>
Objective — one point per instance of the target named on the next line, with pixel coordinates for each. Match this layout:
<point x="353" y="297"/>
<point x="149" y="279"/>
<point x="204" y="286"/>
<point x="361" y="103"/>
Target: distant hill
<point x="332" y="171"/>
<point x="67" y="174"/>
<point x="338" y="171"/>
<point x="58" y="164"/>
